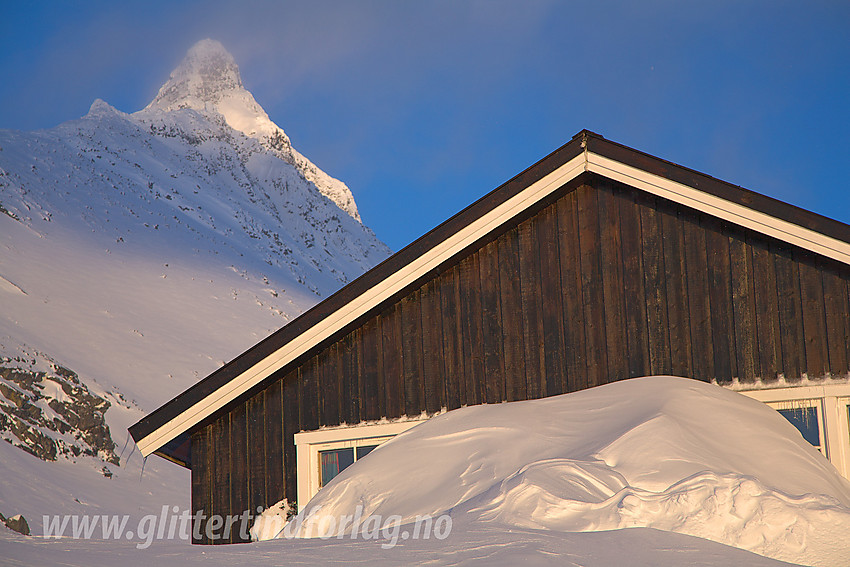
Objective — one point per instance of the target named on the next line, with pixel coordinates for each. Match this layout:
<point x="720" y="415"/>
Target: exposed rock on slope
<point x="52" y="413"/>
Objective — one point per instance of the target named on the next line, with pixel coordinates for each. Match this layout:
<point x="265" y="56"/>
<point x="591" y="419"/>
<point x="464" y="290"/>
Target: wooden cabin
<point x="598" y="263"/>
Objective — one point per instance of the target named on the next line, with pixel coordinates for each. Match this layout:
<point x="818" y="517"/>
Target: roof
<point x="166" y="430"/>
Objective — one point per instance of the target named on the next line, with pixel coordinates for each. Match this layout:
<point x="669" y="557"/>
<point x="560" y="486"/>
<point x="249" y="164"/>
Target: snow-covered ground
<point x="490" y="546"/>
<point x="645" y="471"/>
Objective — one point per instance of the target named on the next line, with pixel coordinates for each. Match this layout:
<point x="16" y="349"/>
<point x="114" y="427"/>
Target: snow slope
<point x="138" y="253"/>
<point x="668" y="453"/>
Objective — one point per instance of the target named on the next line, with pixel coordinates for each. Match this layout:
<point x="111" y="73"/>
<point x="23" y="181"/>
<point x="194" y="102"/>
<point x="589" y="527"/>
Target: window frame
<point x="308" y="445"/>
<point x="832" y="401"/>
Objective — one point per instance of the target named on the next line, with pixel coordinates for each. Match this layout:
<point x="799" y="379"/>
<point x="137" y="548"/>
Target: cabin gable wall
<point x="602" y="284"/>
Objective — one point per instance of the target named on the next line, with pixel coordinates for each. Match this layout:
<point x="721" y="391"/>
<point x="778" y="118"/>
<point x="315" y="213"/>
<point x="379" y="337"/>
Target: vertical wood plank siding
<point x="602" y="284"/>
<point x="202" y="488"/>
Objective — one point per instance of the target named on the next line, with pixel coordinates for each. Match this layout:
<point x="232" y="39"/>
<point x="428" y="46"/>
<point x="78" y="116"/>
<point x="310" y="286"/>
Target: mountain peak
<point x="100" y="108"/>
<point x="206" y="75"/>
<point x="208" y="80"/>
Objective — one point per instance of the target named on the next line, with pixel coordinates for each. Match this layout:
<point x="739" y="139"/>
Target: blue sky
<point x="423" y="107"/>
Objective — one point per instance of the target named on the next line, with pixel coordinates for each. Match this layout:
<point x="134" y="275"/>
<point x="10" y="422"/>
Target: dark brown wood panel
<point x="491" y="325"/>
<point x="837" y="321"/>
<point x="743" y="308"/>
<point x="510" y="300"/>
<point x="275" y="464"/>
<point x="531" y="310"/>
<point x="768" y="331"/>
<point x="432" y="348"/>
<point x="308" y="395"/>
<point x="569" y="244"/>
<point x="846" y="278"/>
<point x="340" y="383"/>
<point x="699" y="303"/>
<point x="637" y="337"/>
<point x="392" y="361"/>
<point x="453" y="358"/>
<point x="328" y="387"/>
<point x="676" y="280"/>
<point x="655" y="286"/>
<point x="239" y="491"/>
<point x="596" y="358"/>
<point x="202" y="486"/>
<point x="614" y="303"/>
<point x="814" y="318"/>
<point x="551" y="289"/>
<point x="720" y="296"/>
<point x="790" y="314"/>
<point x="221" y="478"/>
<point x="412" y="358"/>
<point x="258" y="461"/>
<point x="290" y="428"/>
<point x="350" y="375"/>
<point x="369" y="369"/>
<point x="473" y="336"/>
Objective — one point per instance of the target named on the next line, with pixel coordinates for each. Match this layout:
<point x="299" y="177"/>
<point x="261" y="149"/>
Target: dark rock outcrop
<point x="49" y="420"/>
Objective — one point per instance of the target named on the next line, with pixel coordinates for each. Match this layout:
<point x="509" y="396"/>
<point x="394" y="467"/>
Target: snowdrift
<point x="660" y="452"/>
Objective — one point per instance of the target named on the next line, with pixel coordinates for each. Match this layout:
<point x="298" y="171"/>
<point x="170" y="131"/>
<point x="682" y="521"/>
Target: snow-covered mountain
<point x="138" y="252"/>
<point x="208" y="80"/>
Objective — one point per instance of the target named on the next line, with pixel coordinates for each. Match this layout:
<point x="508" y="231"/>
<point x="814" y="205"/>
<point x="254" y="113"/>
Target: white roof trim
<point x="355" y="432"/>
<point x="800" y="391"/>
<point x="721" y="208"/>
<point x="587" y="161"/>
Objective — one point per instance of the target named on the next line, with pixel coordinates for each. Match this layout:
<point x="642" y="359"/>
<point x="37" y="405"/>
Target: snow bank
<point x="271" y="521"/>
<point x="660" y="452"/>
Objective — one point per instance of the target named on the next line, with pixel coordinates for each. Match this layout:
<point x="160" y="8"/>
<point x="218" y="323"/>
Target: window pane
<point x="334" y="462"/>
<point x="346" y="458"/>
<point x="364" y="450"/>
<point x="806" y="420"/>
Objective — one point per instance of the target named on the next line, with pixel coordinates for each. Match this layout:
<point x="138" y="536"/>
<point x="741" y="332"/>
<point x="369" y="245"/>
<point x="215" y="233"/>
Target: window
<point x="806" y="420"/>
<point x="821" y="412"/>
<point x="364" y="450"/>
<point x="807" y="416"/>
<point x="334" y="461"/>
<point x="323" y="454"/>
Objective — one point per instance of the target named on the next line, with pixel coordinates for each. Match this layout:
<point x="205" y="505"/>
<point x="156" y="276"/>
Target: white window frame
<point x="831" y="401"/>
<point x="839" y="408"/>
<point x="309" y="444"/>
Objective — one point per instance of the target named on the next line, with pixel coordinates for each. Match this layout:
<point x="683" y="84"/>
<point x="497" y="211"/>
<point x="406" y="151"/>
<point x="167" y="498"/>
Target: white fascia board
<point x="365" y="431"/>
<point x="789" y="393"/>
<point x="721" y="208"/>
<point x="362" y="304"/>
